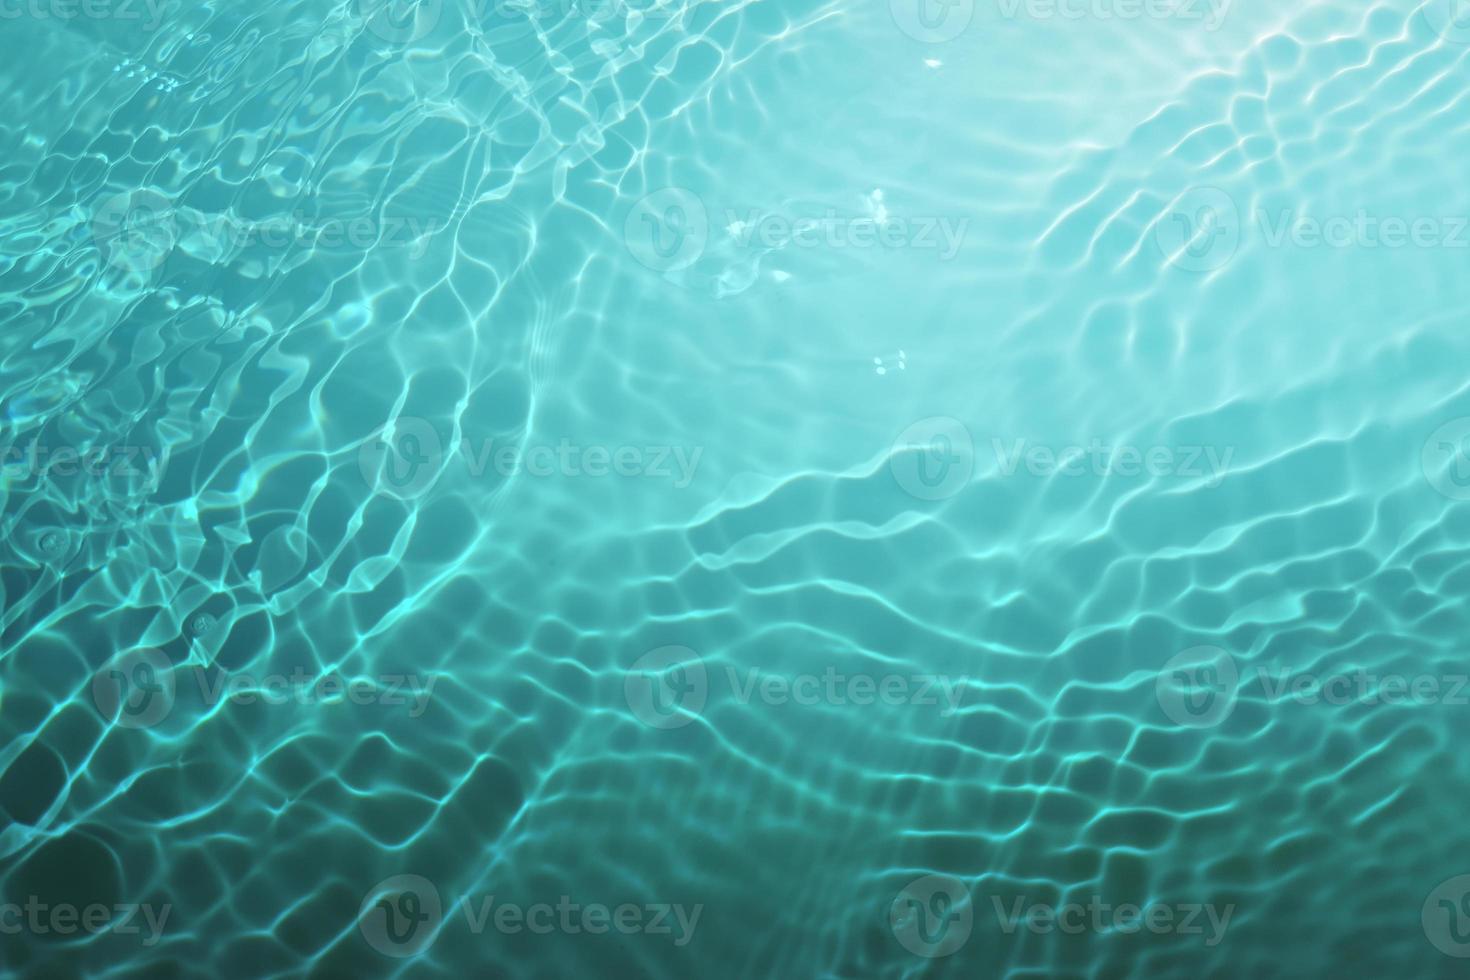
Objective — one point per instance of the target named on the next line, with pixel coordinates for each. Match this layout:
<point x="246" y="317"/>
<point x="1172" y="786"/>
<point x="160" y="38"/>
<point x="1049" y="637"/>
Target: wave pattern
<point x="348" y="346"/>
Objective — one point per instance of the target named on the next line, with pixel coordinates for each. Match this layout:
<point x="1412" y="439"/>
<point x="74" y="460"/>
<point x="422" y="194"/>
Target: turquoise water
<point x="774" y="489"/>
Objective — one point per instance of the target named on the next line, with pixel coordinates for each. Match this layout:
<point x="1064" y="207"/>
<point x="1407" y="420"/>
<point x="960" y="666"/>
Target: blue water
<point x="857" y="489"/>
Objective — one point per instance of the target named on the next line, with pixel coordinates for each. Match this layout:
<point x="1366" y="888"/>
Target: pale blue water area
<point x="874" y="488"/>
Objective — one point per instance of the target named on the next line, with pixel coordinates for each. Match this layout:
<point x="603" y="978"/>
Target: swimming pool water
<point x="753" y="488"/>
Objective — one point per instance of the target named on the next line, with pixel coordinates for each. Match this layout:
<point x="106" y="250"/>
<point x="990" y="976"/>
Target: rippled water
<point x="715" y="488"/>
